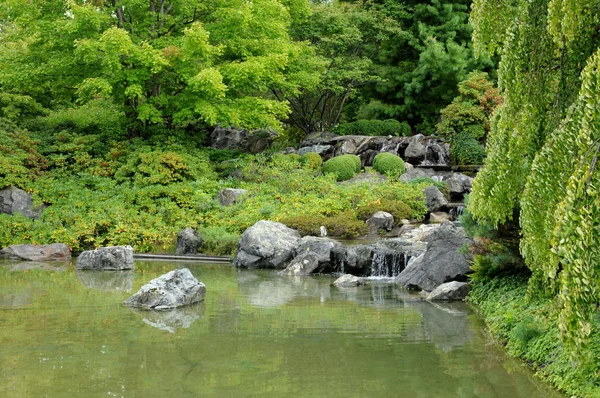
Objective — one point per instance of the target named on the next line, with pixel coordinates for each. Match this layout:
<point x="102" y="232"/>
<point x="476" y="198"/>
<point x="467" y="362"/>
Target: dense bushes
<point x="311" y="160"/>
<point x="374" y="128"/>
<point x="343" y="167"/>
<point x="389" y="164"/>
<point x="344" y="225"/>
<point x="396" y="208"/>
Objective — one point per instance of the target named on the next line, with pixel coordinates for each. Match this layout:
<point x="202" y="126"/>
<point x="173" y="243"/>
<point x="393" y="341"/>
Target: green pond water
<point x="64" y="333"/>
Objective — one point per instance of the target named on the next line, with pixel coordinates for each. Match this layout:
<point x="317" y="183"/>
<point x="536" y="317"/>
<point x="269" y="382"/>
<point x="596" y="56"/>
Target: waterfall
<point x="338" y="261"/>
<point x="390" y="147"/>
<point x="437" y="178"/>
<point x="435" y="154"/>
<point x="387" y="263"/>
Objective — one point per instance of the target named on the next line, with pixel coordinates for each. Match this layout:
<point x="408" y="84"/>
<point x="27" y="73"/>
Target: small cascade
<point x="388" y="263"/>
<point x="437" y="178"/>
<point x="456" y="212"/>
<point x="338" y="261"/>
<point x="436" y="154"/>
<point x="390" y="147"/>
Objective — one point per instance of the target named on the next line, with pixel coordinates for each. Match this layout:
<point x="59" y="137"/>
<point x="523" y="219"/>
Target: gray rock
<point x="110" y="258"/>
<point x="171" y="290"/>
<point x="266" y="244"/>
<point x="229" y="196"/>
<point x="303" y="264"/>
<point x="242" y="140"/>
<point x="380" y="221"/>
<point x="14" y="200"/>
<point x="319" y="149"/>
<point x="188" y="242"/>
<point x="288" y="151"/>
<point x="356" y="259"/>
<point x="415" y="172"/>
<point x="348" y="281"/>
<point x="459" y="184"/>
<point x="439" y="217"/>
<point x="53" y="252"/>
<point x="442" y="261"/>
<point x="450" y="291"/>
<point x="320" y="246"/>
<point x="317" y="138"/>
<point x="435" y="199"/>
<point x="416" y="150"/>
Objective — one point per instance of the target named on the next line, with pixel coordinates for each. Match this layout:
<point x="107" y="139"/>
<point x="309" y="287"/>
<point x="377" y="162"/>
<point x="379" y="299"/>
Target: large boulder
<point x="380" y="221"/>
<point x="414" y="173"/>
<point x="188" y="241"/>
<point x="356" y="259"/>
<point x="303" y="264"/>
<point x="442" y="261"/>
<point x="318" y="149"/>
<point x="416" y="150"/>
<point x="242" y="140"/>
<point x="317" y="138"/>
<point x="459" y="184"/>
<point x="435" y="199"/>
<point x="110" y="258"/>
<point x="450" y="291"/>
<point x="266" y="244"/>
<point x="55" y="251"/>
<point x="348" y="281"/>
<point x="229" y="196"/>
<point x="320" y="246"/>
<point x="171" y="290"/>
<point x="14" y="200"/>
<point x="439" y="217"/>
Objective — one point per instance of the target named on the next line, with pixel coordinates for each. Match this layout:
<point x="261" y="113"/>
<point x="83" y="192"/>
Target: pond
<point x="64" y="333"/>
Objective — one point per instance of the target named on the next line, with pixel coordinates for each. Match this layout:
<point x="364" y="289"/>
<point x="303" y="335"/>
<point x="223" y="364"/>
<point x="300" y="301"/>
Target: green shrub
<point x="389" y="164"/>
<point x="344" y="225"/>
<point x="218" y="241"/>
<point x="465" y="149"/>
<point x="311" y="160"/>
<point x="344" y="167"/>
<point x="396" y="208"/>
<point x="374" y="128"/>
<point x="222" y="155"/>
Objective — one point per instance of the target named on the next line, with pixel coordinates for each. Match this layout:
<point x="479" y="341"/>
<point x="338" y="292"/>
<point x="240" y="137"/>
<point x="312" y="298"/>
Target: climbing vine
<point x="544" y="146"/>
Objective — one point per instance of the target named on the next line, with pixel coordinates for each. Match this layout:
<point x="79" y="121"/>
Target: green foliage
<point x="466" y="150"/>
<point x="389" y="164"/>
<point x="396" y="208"/>
<point x="218" y="241"/>
<point x="312" y="160"/>
<point x="344" y="225"/>
<point x="343" y="167"/>
<point x="529" y="329"/>
<point x="374" y="128"/>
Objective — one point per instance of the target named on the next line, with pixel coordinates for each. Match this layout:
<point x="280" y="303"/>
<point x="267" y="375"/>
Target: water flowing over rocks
<point x="171" y="290"/>
<point x="230" y="196"/>
<point x="266" y="244"/>
<point x="52" y="252"/>
<point x="188" y="242"/>
<point x="14" y="200"/>
<point x="110" y="258"/>
<point x="303" y="264"/>
<point x="348" y="280"/>
<point x="442" y="261"/>
<point x="450" y="291"/>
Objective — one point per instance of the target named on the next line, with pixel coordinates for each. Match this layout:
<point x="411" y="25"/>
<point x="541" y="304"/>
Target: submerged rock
<point x="303" y="264"/>
<point x="450" y="291"/>
<point x="266" y="244"/>
<point x="348" y="281"/>
<point x="53" y="252"/>
<point x="188" y="242"/>
<point x="110" y="258"/>
<point x="171" y="290"/>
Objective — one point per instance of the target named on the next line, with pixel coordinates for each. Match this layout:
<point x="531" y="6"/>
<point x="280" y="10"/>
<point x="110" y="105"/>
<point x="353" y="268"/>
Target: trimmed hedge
<point x="344" y="167"/>
<point x="389" y="164"/>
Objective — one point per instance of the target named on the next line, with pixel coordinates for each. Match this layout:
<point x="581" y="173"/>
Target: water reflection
<point x="121" y="281"/>
<point x="172" y="320"/>
<point x="57" y="266"/>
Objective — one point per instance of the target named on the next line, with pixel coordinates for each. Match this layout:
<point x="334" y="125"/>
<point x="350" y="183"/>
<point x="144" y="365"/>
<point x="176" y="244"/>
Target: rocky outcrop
<point x="242" y="140"/>
<point x="435" y="199"/>
<point x="53" y="252"/>
<point x="322" y="247"/>
<point x="14" y="200"/>
<point x="230" y="196"/>
<point x="110" y="258"/>
<point x="442" y="261"/>
<point x="303" y="264"/>
<point x="348" y="281"/>
<point x="450" y="291"/>
<point x="318" y="149"/>
<point x="439" y="217"/>
<point x="188" y="242"/>
<point x="380" y="221"/>
<point x="459" y="185"/>
<point x="266" y="244"/>
<point x="356" y="259"/>
<point x="171" y="290"/>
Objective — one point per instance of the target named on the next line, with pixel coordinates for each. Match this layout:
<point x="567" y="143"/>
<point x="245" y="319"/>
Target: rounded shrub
<point x="396" y="208"/>
<point x="312" y="160"/>
<point x="389" y="164"/>
<point x="344" y="167"/>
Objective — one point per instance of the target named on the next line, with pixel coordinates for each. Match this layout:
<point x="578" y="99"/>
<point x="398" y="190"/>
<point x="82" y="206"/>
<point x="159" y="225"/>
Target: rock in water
<point x="188" y="242"/>
<point x="111" y="258"/>
<point x="55" y="251"/>
<point x="171" y="290"/>
<point x="303" y="264"/>
<point x="450" y="291"/>
<point x="348" y="281"/>
<point x="266" y="244"/>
